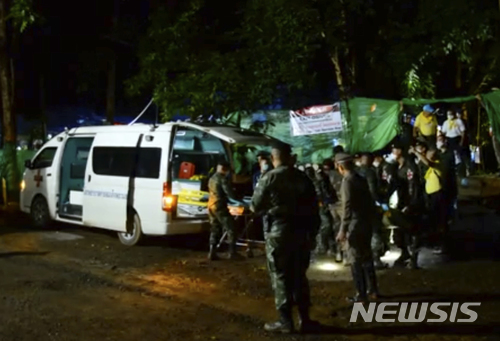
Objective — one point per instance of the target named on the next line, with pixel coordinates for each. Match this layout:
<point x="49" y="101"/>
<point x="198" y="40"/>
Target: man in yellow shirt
<point x="426" y="126"/>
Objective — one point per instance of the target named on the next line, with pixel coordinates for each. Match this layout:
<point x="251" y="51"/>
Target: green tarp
<point x="22" y="156"/>
<point x="368" y="125"/>
<point x="372" y="123"/>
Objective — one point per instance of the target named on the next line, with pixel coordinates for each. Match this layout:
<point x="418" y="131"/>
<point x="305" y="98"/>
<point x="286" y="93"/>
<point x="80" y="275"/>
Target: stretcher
<point x="242" y="213"/>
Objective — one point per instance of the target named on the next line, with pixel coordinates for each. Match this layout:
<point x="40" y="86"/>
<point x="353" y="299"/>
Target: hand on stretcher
<point x="237" y="207"/>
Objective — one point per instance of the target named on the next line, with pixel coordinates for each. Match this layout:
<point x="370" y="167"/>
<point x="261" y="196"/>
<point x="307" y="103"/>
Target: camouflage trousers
<point x="220" y="220"/>
<point x="336" y="212"/>
<point x="326" y="235"/>
<point x="287" y="263"/>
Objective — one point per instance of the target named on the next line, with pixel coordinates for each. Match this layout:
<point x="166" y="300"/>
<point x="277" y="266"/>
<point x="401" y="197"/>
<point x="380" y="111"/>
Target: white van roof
<point x="228" y="134"/>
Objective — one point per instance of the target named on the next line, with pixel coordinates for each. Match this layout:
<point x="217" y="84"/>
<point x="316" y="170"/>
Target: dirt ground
<point x="70" y="283"/>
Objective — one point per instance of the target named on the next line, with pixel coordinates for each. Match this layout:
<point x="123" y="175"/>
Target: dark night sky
<point x="55" y="47"/>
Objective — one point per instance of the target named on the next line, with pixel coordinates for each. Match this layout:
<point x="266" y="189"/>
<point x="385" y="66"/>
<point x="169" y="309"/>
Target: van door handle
<point x="89" y="178"/>
<point x="50" y="174"/>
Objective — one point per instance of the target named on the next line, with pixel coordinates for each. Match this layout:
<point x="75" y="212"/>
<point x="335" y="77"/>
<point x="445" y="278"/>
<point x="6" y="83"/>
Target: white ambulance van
<point x="127" y="178"/>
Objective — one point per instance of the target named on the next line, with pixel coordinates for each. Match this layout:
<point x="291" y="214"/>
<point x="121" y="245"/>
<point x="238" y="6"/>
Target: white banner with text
<point x="319" y="119"/>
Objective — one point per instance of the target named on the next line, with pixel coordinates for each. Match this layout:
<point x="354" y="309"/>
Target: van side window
<point x="45" y="158"/>
<point x="121" y="161"/>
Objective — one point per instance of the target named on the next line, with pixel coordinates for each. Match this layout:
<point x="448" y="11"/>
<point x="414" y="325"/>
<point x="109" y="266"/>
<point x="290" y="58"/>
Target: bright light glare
<point x="391" y="256"/>
<point x="328" y="266"/>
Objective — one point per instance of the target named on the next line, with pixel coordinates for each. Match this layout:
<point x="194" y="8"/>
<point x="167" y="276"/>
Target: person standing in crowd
<point x="426" y="125"/>
<point x="409" y="208"/>
<point x="406" y="132"/>
<point x="356" y="230"/>
<point x="328" y="198"/>
<point x="421" y="148"/>
<point x="367" y="171"/>
<point x="287" y="199"/>
<point x="449" y="179"/>
<point x="454" y="131"/>
<point x="336" y="181"/>
<point x="384" y="171"/>
<point x="220" y="192"/>
<point x="265" y="166"/>
<point x="465" y="150"/>
<point x="257" y="167"/>
<point x="434" y="191"/>
<point x="378" y="163"/>
<point x="357" y="160"/>
<point x="309" y="171"/>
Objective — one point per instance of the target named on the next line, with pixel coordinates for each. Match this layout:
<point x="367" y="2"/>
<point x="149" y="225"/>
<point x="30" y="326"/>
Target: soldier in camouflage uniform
<point x="356" y="228"/>
<point x="287" y="199"/>
<point x="311" y="174"/>
<point x="408" y="214"/>
<point x="336" y="208"/>
<point x="327" y="198"/>
<point x="220" y="192"/>
<point x="367" y="171"/>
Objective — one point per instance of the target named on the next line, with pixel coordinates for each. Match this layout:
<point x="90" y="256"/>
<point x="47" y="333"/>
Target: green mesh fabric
<point x="310" y="148"/>
<point x="407" y="101"/>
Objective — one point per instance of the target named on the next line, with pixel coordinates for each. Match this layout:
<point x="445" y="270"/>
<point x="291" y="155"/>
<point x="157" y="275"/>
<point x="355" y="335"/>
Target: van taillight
<point x="167" y="200"/>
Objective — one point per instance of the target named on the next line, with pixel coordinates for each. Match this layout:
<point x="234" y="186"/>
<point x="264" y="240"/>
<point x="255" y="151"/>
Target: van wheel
<point x="40" y="214"/>
<point x="131" y="239"/>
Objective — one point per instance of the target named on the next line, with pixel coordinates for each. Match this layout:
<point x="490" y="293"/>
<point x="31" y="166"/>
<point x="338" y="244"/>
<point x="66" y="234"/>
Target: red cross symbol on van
<point x="38" y="178"/>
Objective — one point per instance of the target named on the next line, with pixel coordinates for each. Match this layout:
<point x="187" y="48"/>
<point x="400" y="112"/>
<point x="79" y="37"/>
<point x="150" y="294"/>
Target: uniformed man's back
<point x="287" y="199"/>
<point x="292" y="197"/>
<point x="361" y="204"/>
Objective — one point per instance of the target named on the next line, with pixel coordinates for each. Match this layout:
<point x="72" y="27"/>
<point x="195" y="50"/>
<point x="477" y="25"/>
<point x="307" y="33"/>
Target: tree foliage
<point x="23" y="14"/>
<point x="15" y="16"/>
<point x="202" y="59"/>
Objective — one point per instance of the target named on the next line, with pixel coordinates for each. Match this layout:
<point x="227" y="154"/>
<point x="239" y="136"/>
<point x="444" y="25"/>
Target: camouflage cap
<point x="343" y="157"/>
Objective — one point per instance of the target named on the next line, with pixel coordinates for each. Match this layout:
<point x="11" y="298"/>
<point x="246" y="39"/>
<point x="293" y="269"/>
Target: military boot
<point x="306" y="325"/>
<point x="371" y="281"/>
<point x="212" y="254"/>
<point x="414" y="251"/>
<point x="284" y="325"/>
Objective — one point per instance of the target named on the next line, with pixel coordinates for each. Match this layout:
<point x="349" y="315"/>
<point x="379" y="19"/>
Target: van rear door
<point x="232" y="134"/>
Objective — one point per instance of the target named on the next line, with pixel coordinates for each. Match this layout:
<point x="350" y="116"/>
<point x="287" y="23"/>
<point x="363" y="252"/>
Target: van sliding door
<point x="107" y="180"/>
